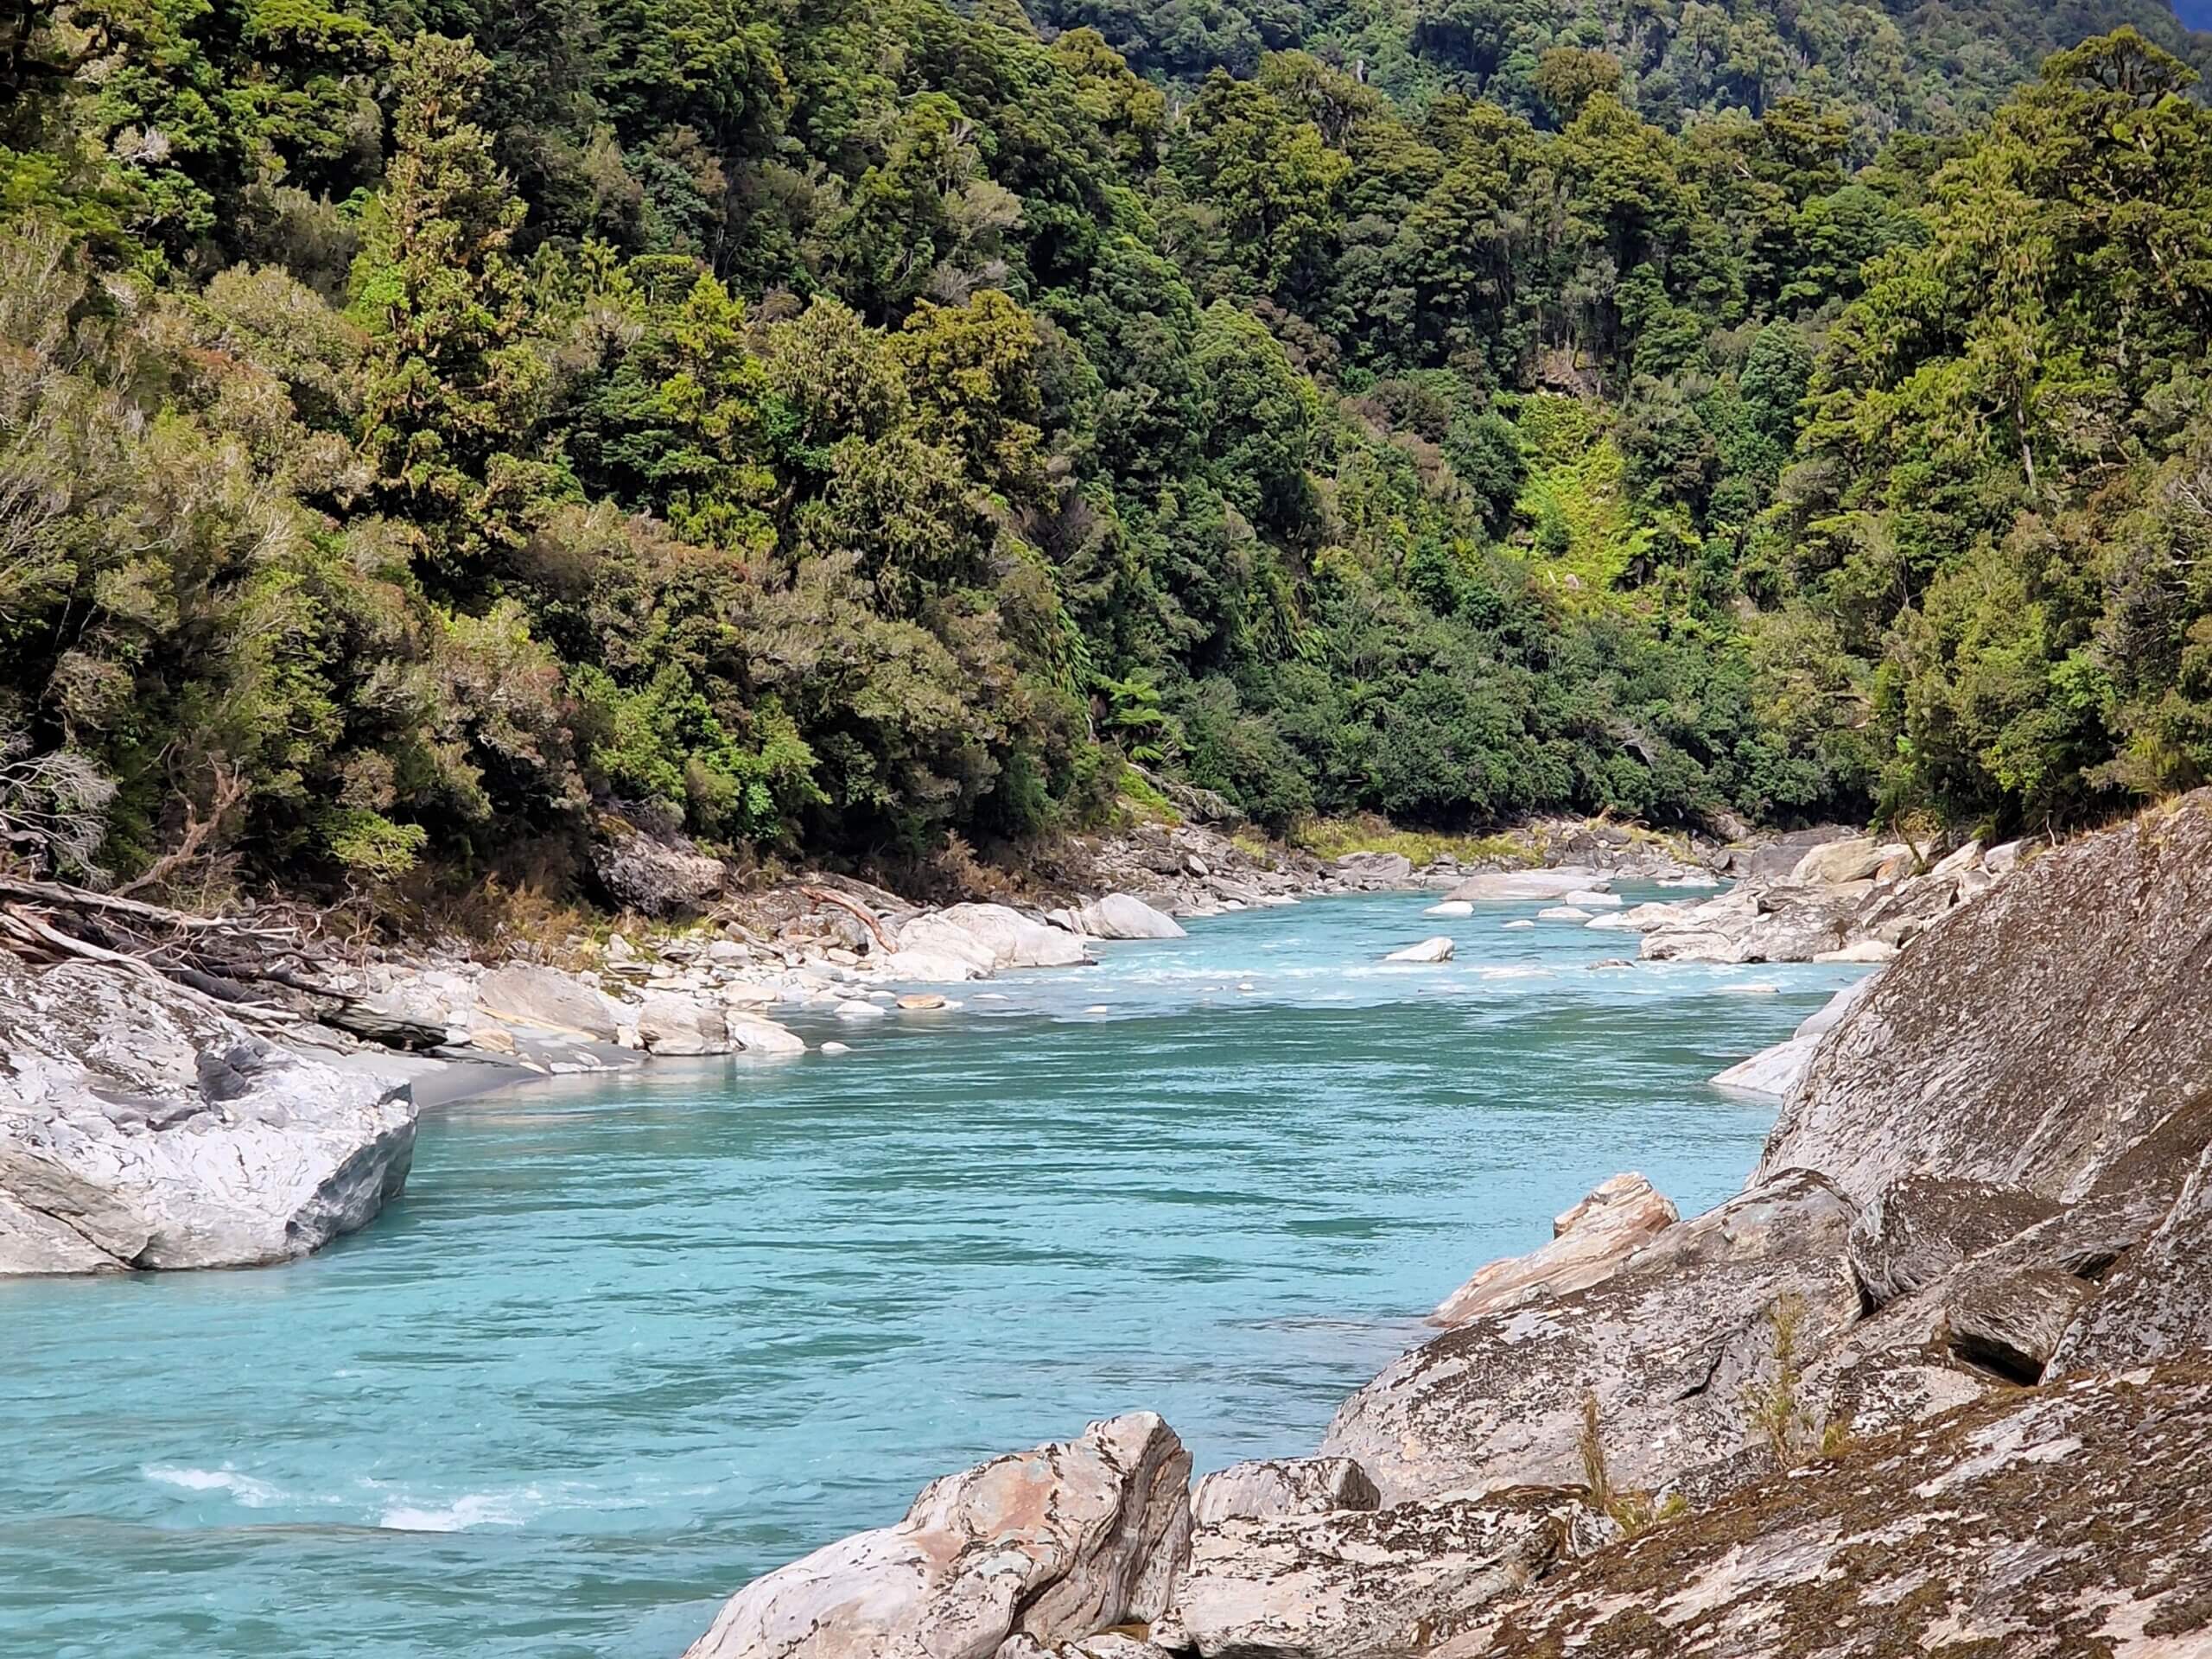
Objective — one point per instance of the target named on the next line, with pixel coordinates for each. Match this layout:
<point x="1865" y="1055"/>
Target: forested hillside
<point x="1929" y="66"/>
<point x="879" y="430"/>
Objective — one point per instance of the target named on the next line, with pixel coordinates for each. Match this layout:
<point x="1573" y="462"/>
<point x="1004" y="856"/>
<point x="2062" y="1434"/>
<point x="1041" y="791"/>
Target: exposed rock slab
<point x="139" y="1128"/>
<point x="2011" y="1321"/>
<point x="2029" y="1038"/>
<point x="2158" y="1301"/>
<point x="524" y="993"/>
<point x="1590" y="1244"/>
<point x="1670" y="1346"/>
<point x="1919" y="1229"/>
<point x="1365" y="1585"/>
<point x="2020" y="1527"/>
<point x="1055" y="1544"/>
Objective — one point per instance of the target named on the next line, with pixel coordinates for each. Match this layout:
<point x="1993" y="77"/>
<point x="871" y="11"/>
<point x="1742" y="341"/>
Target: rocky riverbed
<point x="1934" y="1380"/>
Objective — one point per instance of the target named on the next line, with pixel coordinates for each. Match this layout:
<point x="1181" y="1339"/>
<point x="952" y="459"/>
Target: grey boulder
<point x="1123" y="915"/>
<point x="655" y="875"/>
<point x="524" y="993"/>
<point x="141" y="1128"/>
<point x="1269" y="1488"/>
<point x="1919" y="1229"/>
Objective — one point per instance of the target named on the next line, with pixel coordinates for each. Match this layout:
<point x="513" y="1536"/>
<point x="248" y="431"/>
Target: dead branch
<point x="825" y="896"/>
<point x="230" y="789"/>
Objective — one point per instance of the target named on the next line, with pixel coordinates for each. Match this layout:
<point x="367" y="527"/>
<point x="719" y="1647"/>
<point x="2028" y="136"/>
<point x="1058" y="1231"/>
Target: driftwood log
<point x="234" y="961"/>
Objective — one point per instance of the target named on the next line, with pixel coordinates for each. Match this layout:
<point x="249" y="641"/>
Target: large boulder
<point x="671" y="1024"/>
<point x="1055" y="1544"/>
<point x="1673" y="1348"/>
<point x="1383" y="869"/>
<point x="991" y="938"/>
<point x="1757" y="924"/>
<point x="524" y="993"/>
<point x="752" y="1035"/>
<point x="1123" y="915"/>
<point x="2031" y="1525"/>
<point x="654" y="875"/>
<point x="2030" y="1038"/>
<point x="1427" y="951"/>
<point x="1591" y="1243"/>
<point x="1366" y="1583"/>
<point x="140" y="1126"/>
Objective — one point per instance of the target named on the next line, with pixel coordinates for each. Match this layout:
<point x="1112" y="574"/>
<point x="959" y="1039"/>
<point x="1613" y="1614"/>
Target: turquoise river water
<point x="625" y="1344"/>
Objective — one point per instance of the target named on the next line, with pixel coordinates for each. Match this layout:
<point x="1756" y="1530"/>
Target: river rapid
<point x="627" y="1343"/>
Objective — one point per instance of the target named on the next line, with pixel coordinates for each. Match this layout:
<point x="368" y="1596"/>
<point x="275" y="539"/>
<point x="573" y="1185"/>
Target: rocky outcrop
<point x="140" y="1126"/>
<point x="1366" y="1583"/>
<point x="1591" y="1243"/>
<point x="1270" y="1488"/>
<point x="1390" y="869"/>
<point x="654" y="875"/>
<point x="1672" y="1348"/>
<point x="2031" y="1037"/>
<point x="2011" y="1322"/>
<point x="2024" y="1527"/>
<point x="2158" y="1301"/>
<point x="1055" y="1545"/>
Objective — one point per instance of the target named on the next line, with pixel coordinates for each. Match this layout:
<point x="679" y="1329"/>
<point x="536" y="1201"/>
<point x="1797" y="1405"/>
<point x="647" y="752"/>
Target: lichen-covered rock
<point x="1056" y="1544"/>
<point x="1757" y="924"/>
<point x="1590" y="1244"/>
<point x="2031" y="1037"/>
<point x="2022" y="1527"/>
<point x="140" y="1127"/>
<point x="1362" y="1584"/>
<point x="654" y="875"/>
<point x="1671" y="1347"/>
<point x="2010" y="1321"/>
<point x="2158" y="1301"/>
<point x="1918" y="1229"/>
<point x="1393" y="869"/>
<point x="1269" y="1488"/>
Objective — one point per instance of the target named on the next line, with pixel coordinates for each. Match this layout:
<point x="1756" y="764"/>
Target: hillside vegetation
<point x="882" y="431"/>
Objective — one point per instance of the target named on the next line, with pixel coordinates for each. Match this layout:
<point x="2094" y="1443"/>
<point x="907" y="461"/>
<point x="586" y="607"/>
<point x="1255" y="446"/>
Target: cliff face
<point x="1938" y="1380"/>
<point x="2032" y="1036"/>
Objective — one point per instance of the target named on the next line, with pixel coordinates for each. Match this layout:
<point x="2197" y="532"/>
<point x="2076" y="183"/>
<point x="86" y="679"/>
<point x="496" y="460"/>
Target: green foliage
<point x="874" y="430"/>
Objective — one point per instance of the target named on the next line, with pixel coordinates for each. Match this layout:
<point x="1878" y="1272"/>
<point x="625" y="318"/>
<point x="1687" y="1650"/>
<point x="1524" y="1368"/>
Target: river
<point x="626" y="1344"/>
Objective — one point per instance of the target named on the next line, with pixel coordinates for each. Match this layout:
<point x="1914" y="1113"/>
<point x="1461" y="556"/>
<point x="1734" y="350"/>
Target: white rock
<point x="1562" y="913"/>
<point x="1123" y="915"/>
<point x="854" y="1009"/>
<point x="1590" y="899"/>
<point x="1639" y="918"/>
<point x="995" y="937"/>
<point x="526" y="994"/>
<point x="669" y="1024"/>
<point x="835" y="1048"/>
<point x="1270" y="1487"/>
<point x="1511" y="925"/>
<point x="1428" y="950"/>
<point x="750" y="1034"/>
<point x="1450" y="907"/>
<point x="139" y="1128"/>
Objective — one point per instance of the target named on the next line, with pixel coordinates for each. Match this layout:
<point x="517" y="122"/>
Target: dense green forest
<point x="882" y="430"/>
